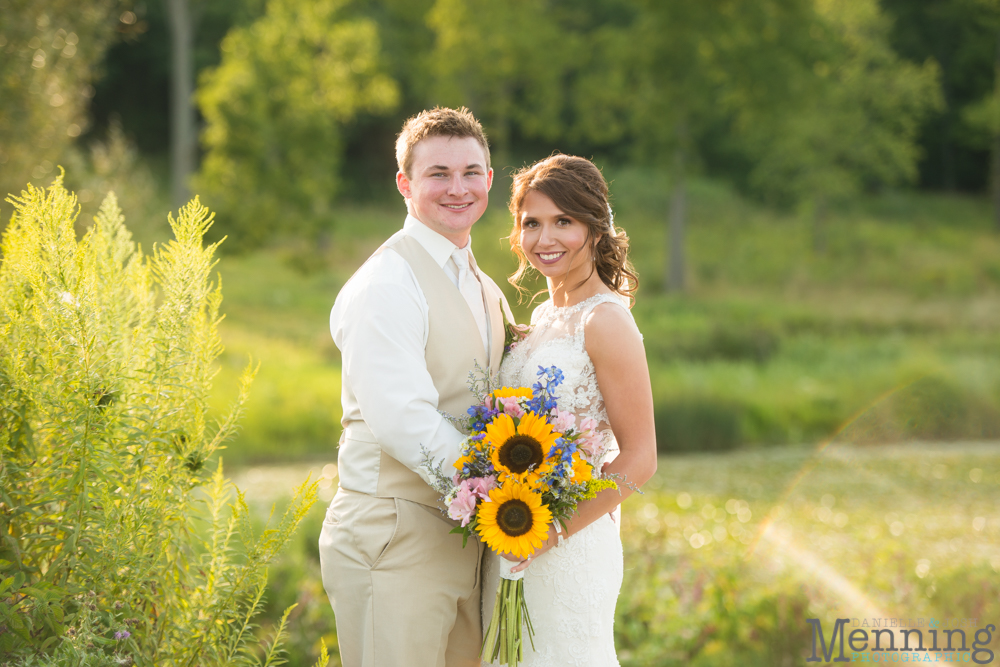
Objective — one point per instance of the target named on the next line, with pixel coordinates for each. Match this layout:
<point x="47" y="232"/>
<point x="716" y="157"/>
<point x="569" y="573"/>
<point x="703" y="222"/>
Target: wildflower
<point x="520" y="451"/>
<point x="511" y="392"/>
<point x="563" y="421"/>
<point x="464" y="505"/>
<point x="122" y="634"/>
<point x="582" y="471"/>
<point x="510" y="406"/>
<point x="481" y="486"/>
<point x="595" y="486"/>
<point x="590" y="441"/>
<point x="514" y="520"/>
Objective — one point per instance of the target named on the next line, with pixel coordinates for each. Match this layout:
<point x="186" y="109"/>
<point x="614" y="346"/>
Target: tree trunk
<point x="500" y="136"/>
<point x="676" y="270"/>
<point x="995" y="157"/>
<point x="183" y="139"/>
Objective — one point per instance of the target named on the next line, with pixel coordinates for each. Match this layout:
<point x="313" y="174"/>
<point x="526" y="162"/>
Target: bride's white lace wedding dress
<point x="570" y="590"/>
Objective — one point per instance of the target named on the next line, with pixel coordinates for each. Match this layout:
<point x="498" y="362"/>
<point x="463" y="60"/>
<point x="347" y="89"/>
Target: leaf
<point x="324" y="656"/>
<point x="273" y="657"/>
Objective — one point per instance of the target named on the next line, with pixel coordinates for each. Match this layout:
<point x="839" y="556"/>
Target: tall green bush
<point x="275" y="109"/>
<point x="117" y="544"/>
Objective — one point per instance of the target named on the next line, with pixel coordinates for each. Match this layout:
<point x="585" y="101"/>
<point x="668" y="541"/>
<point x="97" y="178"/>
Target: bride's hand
<point x="550" y="542"/>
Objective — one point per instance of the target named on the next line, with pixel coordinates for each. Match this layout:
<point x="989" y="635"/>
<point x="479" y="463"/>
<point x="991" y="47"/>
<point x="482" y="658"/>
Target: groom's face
<point x="448" y="187"/>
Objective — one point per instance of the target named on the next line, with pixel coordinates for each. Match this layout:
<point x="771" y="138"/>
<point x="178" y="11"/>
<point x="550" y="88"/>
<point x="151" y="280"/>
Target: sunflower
<point x="512" y="392"/>
<point x="582" y="471"/>
<point x="519" y="452"/>
<point x="463" y="460"/>
<point x="514" y="520"/>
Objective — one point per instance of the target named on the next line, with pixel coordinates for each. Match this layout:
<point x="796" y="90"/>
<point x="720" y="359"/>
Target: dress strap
<point x="598" y="299"/>
<point x="594" y="302"/>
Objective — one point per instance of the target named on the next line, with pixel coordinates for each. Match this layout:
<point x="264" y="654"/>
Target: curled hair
<point x="437" y="122"/>
<point x="578" y="188"/>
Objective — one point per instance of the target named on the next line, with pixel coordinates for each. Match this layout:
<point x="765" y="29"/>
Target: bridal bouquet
<point x="525" y="465"/>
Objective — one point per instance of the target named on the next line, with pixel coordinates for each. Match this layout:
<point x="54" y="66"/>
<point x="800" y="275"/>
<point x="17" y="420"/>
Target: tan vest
<point x="454" y="344"/>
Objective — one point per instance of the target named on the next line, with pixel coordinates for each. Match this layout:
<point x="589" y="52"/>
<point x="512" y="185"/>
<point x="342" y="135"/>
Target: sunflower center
<point x="520" y="452"/>
<point x="514" y="517"/>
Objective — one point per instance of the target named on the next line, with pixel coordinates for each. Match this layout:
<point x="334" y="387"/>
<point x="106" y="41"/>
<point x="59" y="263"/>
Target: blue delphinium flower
<point x="554" y="377"/>
<point x="544" y="399"/>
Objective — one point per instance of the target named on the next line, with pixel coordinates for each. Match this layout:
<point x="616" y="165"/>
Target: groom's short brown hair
<point x="437" y="122"/>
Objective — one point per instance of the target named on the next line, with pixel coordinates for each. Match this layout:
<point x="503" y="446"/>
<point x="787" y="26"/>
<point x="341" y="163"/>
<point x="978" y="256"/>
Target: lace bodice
<point x="557" y="339"/>
<point x="570" y="590"/>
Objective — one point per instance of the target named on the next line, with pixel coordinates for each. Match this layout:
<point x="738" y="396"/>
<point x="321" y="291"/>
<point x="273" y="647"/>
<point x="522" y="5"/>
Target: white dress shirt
<point x="471" y="288"/>
<point x="380" y="324"/>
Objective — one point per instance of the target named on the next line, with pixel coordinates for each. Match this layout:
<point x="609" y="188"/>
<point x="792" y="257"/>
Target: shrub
<point x="698" y="425"/>
<point x="707" y="610"/>
<point x="757" y="344"/>
<point x="117" y="544"/>
<point x="931" y="408"/>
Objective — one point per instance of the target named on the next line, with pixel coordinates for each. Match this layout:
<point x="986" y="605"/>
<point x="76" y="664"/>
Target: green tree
<point x="275" y="110"/>
<point x="117" y="544"/>
<point x="854" y="123"/>
<point x="49" y="50"/>
<point x="982" y="116"/>
<point x="680" y="70"/>
<point x="504" y="60"/>
<point x="961" y="38"/>
<point x="184" y="19"/>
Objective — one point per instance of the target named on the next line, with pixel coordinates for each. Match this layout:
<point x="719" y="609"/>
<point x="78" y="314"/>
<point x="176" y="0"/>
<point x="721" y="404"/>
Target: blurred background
<point x="812" y="193"/>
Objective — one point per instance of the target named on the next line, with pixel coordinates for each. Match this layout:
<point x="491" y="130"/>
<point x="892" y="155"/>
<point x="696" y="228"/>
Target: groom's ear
<point x="403" y="184"/>
<point x="489" y="179"/>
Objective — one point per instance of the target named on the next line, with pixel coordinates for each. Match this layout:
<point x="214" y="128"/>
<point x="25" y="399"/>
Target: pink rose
<point x="590" y="442"/>
<point x="464" y="505"/>
<point x="481" y="486"/>
<point x="562" y="421"/>
<point x="510" y="406"/>
<point x="592" y="447"/>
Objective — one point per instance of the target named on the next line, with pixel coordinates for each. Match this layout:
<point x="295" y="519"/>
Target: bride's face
<point x="555" y="243"/>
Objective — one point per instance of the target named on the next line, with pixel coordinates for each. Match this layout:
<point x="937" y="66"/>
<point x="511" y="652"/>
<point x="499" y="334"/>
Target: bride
<point x="563" y="228"/>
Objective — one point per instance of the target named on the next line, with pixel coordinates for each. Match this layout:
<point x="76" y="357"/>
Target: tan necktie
<point x="472" y="290"/>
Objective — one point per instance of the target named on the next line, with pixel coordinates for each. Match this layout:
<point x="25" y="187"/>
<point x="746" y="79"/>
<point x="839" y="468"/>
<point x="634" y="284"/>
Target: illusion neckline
<point x="577" y="306"/>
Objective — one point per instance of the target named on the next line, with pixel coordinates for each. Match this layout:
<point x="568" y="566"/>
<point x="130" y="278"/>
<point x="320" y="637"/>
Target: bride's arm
<point x="615" y="346"/>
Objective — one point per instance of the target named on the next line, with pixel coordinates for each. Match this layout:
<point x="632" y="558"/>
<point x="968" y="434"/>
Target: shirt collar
<point x="435" y="244"/>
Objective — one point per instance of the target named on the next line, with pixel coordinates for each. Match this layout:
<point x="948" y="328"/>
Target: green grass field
<point x="773" y="343"/>
<point x="726" y="555"/>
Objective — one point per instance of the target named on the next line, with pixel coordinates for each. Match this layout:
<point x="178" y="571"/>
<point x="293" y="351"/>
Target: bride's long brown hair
<point x="578" y="188"/>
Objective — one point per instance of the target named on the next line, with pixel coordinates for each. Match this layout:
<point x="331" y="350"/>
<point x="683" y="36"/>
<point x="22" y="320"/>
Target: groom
<point x="410" y="325"/>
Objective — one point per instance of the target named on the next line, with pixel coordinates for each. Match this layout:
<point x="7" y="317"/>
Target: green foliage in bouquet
<point x="118" y="545"/>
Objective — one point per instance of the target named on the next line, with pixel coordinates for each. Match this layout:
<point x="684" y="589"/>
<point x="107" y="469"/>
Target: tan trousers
<point x="404" y="591"/>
